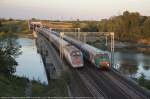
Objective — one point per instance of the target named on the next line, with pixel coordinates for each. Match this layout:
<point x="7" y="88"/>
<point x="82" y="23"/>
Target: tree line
<point x="130" y="26"/>
<point x="127" y="27"/>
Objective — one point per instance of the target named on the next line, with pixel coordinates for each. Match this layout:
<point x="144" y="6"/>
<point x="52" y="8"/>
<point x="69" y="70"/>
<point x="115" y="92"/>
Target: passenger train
<point x="94" y="55"/>
<point x="72" y="54"/>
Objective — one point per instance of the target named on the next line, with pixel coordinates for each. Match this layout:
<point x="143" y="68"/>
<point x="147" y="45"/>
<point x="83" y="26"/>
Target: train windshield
<point x="102" y="56"/>
<point x="76" y="53"/>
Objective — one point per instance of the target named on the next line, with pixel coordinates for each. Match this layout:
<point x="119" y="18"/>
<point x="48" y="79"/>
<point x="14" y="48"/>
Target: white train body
<point x="96" y="56"/>
<point x="73" y="55"/>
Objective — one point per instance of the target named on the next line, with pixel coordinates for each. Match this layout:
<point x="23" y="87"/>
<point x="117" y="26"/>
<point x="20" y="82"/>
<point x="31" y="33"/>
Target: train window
<point x="77" y="53"/>
<point x="73" y="54"/>
<point x="98" y="55"/>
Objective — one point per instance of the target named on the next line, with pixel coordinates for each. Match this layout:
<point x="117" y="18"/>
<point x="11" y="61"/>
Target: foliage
<point x="12" y="86"/>
<point x="9" y="48"/>
<point x="39" y="89"/>
<point x="76" y="24"/>
<point x="8" y="52"/>
<point x="127" y="27"/>
<point x="90" y="26"/>
<point x="33" y="19"/>
<point x="143" y="82"/>
<point x="55" y="88"/>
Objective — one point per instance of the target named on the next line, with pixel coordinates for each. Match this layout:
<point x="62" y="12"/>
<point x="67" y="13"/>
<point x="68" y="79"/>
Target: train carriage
<point x="72" y="54"/>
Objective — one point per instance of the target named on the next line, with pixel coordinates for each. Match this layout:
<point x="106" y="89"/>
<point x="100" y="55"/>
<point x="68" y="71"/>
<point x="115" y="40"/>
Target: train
<point x="72" y="54"/>
<point x="99" y="58"/>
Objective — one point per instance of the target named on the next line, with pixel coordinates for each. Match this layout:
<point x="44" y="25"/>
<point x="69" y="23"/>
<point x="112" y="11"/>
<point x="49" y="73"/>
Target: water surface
<point x="133" y="64"/>
<point x="29" y="62"/>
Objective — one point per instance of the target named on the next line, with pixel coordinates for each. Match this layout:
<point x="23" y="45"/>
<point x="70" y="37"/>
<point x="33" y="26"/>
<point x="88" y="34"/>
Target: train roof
<point x="86" y="46"/>
<point x="74" y="40"/>
<point x="83" y="45"/>
<point x="70" y="48"/>
<point x="92" y="49"/>
<point x="58" y="39"/>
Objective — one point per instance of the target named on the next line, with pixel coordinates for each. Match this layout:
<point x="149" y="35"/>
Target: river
<point x="30" y="63"/>
<point x="133" y="64"/>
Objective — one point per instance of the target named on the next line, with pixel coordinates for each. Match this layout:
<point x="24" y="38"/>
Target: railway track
<point x="107" y="84"/>
<point x="123" y="90"/>
<point x="91" y="85"/>
<point x="130" y="84"/>
<point x="112" y="91"/>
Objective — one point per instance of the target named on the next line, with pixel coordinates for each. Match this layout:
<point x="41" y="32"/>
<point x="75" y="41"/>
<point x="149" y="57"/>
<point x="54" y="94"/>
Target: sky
<point x="71" y="9"/>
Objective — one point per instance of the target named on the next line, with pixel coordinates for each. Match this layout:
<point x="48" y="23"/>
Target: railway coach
<point x="72" y="54"/>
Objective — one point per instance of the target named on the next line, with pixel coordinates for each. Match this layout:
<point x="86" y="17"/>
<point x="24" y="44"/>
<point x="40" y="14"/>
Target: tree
<point x="10" y="19"/>
<point x="90" y="27"/>
<point x="146" y="27"/>
<point x="141" y="80"/>
<point x="9" y="49"/>
<point x="76" y="24"/>
<point x="8" y="52"/>
<point x="127" y="27"/>
<point x="33" y="19"/>
<point x="103" y="25"/>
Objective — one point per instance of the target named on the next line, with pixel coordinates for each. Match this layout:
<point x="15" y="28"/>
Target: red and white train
<point x="72" y="54"/>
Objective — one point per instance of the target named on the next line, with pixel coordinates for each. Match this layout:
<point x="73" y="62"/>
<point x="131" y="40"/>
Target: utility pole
<point x="84" y="37"/>
<point x="61" y="44"/>
<point x="29" y="24"/>
<point x="106" y="40"/>
<point x="112" y="48"/>
<point x="78" y="33"/>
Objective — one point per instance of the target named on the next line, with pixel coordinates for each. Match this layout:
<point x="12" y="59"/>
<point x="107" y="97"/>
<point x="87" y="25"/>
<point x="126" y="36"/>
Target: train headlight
<point x="107" y="65"/>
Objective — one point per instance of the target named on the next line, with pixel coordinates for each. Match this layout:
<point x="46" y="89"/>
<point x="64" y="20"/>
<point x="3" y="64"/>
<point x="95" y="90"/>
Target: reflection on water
<point x="133" y="64"/>
<point x="29" y="62"/>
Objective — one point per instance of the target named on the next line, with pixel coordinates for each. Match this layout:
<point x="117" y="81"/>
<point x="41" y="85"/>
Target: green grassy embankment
<point x="56" y="87"/>
<point x="12" y="86"/>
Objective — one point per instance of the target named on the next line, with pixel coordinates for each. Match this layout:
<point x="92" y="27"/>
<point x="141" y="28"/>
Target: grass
<point x="39" y="89"/>
<point x="15" y="86"/>
<point x="143" y="82"/>
<point x="12" y="86"/>
<point x="56" y="87"/>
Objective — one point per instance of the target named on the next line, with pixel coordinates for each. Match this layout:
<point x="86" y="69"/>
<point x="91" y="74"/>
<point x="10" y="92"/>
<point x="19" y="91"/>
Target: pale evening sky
<point x="70" y="9"/>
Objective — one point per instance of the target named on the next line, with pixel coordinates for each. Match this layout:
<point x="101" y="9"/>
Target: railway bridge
<point x="88" y="81"/>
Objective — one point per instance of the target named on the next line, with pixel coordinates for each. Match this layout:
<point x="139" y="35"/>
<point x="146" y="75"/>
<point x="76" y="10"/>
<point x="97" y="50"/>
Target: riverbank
<point x="133" y="47"/>
<point x="14" y="86"/>
<point x="143" y="82"/>
<point x="123" y="46"/>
